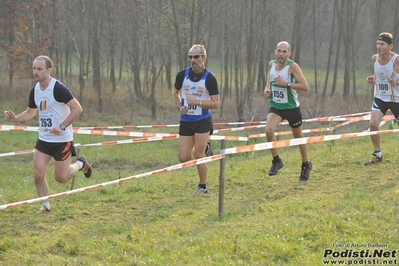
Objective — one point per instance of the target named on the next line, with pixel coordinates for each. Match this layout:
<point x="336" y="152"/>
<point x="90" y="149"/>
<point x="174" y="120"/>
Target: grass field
<point x="156" y="220"/>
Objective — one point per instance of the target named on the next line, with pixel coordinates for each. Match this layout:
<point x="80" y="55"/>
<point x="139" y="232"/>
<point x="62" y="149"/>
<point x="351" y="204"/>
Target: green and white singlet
<point x="282" y="98"/>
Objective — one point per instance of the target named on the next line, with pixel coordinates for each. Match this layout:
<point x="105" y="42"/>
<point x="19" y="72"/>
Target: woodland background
<point x="120" y="57"/>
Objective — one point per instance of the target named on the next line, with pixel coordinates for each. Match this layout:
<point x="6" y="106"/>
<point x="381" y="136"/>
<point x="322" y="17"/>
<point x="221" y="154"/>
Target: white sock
<point x="46" y="204"/>
<point x="80" y="163"/>
<point x="379" y="154"/>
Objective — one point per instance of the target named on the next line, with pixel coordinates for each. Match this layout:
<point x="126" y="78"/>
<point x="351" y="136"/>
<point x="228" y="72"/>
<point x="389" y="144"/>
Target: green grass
<point x="157" y="221"/>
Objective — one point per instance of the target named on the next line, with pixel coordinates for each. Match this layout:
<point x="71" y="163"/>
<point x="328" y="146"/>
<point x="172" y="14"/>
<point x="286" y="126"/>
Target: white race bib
<point x="384" y="88"/>
<point x="194" y="109"/>
<point x="46" y="122"/>
<point x="280" y="95"/>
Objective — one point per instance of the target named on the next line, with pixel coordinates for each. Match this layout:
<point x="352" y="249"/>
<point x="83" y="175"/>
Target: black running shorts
<point x="190" y="128"/>
<point x="59" y="151"/>
<point x="293" y="116"/>
<point x="383" y="107"/>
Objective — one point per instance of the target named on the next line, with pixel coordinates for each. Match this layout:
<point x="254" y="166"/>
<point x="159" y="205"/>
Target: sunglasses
<point x="194" y="56"/>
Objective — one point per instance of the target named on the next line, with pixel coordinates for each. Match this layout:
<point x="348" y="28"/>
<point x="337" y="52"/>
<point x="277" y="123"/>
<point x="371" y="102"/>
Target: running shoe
<point x="275" y="167"/>
<point x="374" y="161"/>
<point x="201" y="190"/>
<point x="305" y="171"/>
<point x="208" y="149"/>
<point x="44" y="210"/>
<point x="86" y="169"/>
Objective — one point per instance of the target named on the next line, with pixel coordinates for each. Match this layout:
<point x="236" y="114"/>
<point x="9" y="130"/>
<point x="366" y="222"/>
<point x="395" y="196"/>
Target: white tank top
<point x="51" y="114"/>
<point x="382" y="88"/>
<point x="282" y="98"/>
<point x="199" y="90"/>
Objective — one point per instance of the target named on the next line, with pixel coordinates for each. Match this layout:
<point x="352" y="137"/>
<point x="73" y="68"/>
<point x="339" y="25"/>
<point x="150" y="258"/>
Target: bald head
<point x="283" y="52"/>
<point x="284" y="45"/>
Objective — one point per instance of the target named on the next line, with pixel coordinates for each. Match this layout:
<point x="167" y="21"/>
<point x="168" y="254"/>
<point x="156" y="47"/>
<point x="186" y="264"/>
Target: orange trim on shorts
<point x="66" y="151"/>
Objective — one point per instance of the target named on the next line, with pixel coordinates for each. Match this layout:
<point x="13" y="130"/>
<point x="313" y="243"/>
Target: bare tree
<point x="226" y="88"/>
<point x="347" y="20"/>
<point x="263" y="31"/>
<point x="330" y="51"/>
<point x="153" y="29"/>
<point x="74" y="24"/>
<point x="176" y="24"/>
<point x="251" y="50"/>
<point x="147" y="41"/>
<point x="314" y="47"/>
<point x="96" y="13"/>
<point x="27" y="35"/>
<point x="336" y="65"/>
<point x="112" y="37"/>
<point x="300" y="13"/>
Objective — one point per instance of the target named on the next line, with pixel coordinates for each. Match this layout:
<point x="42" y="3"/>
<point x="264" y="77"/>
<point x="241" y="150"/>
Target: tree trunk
<point x="97" y="66"/>
<point x="330" y="49"/>
<point x="315" y="50"/>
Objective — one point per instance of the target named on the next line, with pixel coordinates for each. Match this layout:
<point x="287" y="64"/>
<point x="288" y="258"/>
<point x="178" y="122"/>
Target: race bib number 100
<point x="384" y="88"/>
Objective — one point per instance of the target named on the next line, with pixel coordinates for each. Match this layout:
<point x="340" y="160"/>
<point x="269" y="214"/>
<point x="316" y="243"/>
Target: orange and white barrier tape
<point x="128" y="141"/>
<point x="255" y="147"/>
<point x="163" y="170"/>
<point x="215" y="123"/>
<point x="283" y="133"/>
<point x="96" y="130"/>
<point x="151" y="134"/>
<point x="17" y="128"/>
<point x="325" y="129"/>
<point x="237" y="129"/>
<point x="89" y="132"/>
<point x="300" y="141"/>
<point x="213" y="137"/>
<point x="119" y="133"/>
<point x="128" y="127"/>
<point x="264" y="122"/>
<point x="385" y="120"/>
<point x="232" y="138"/>
<point x="15" y="153"/>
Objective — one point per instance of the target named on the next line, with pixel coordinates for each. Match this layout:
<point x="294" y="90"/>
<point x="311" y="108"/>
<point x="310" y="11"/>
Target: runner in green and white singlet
<point x="283" y="82"/>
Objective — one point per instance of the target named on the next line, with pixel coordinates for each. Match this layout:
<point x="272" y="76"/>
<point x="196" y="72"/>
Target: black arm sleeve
<point x="62" y="93"/>
<point x="212" y="84"/>
<point x="32" y="103"/>
<point x="179" y="80"/>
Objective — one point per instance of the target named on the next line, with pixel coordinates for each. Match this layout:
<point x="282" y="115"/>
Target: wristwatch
<point x="288" y="84"/>
<point x="62" y="126"/>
